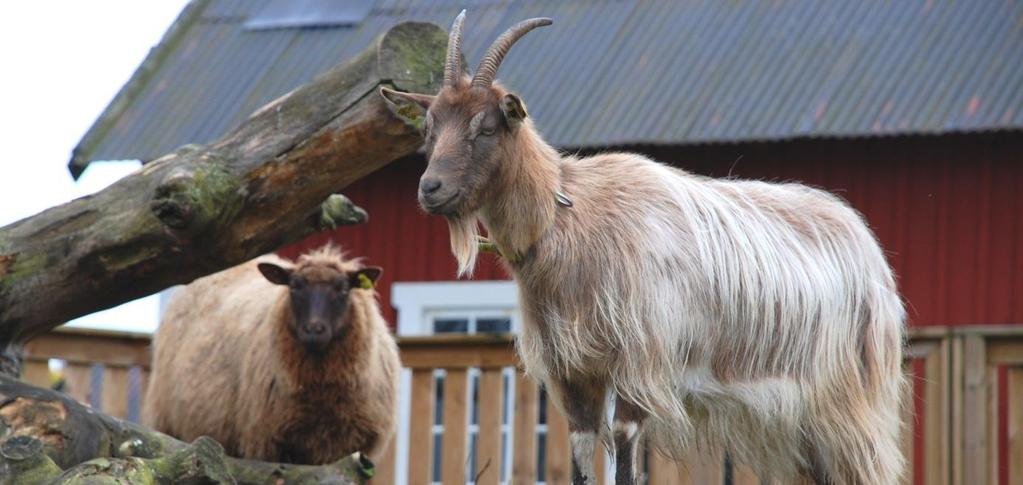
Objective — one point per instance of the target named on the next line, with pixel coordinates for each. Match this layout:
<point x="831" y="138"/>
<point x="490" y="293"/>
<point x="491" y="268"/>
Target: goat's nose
<point x="429" y="185"/>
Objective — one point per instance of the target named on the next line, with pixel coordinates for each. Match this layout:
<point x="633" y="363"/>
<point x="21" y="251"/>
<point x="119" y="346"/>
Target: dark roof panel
<point x="612" y="72"/>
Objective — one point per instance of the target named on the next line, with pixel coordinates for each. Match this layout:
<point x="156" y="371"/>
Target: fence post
<point x="974" y="440"/>
<point x="524" y="456"/>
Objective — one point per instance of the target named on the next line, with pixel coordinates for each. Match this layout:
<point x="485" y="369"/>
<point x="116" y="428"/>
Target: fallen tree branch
<point x="48" y="437"/>
<point x="205" y="208"/>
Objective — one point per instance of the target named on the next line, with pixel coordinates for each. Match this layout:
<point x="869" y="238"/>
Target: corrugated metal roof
<point x="622" y="72"/>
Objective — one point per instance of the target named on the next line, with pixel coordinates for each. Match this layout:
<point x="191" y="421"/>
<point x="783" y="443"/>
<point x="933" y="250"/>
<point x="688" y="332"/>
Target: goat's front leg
<point x="582" y="402"/>
<point x="627" y="426"/>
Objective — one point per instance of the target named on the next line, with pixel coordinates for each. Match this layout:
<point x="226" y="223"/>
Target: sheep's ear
<point x="410" y="107"/>
<point x="366" y="278"/>
<point x="275" y="274"/>
<point x="514" y="110"/>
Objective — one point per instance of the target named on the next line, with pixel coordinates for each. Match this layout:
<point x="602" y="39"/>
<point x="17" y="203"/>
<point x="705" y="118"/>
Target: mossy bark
<point x="204" y="208"/>
<point x="47" y="437"/>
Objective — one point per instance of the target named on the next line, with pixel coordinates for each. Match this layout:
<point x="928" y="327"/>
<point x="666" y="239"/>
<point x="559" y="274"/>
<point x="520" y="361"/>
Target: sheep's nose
<point x="429" y="185"/>
<point x="316" y="328"/>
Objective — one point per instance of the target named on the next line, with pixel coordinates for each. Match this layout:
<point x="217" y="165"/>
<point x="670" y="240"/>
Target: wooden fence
<point x="961" y="429"/>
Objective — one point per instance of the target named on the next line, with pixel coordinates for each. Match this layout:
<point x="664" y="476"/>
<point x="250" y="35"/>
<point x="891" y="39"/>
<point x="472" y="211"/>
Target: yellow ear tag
<point x="364" y="282"/>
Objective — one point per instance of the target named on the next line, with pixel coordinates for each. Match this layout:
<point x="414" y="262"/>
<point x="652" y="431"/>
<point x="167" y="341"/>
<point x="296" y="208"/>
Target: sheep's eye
<point x="297" y="284"/>
<point x="340" y="287"/>
<point x="487" y="131"/>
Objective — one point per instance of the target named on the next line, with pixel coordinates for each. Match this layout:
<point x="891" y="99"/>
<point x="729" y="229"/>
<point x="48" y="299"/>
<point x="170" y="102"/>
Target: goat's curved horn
<point x="492" y="60"/>
<point x="453" y="66"/>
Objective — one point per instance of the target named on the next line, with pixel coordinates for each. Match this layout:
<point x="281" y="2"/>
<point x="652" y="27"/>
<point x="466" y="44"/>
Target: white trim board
<point x="414" y="300"/>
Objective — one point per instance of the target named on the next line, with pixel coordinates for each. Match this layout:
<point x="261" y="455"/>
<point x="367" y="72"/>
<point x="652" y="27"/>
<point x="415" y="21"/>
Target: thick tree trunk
<point x="205" y="208"/>
<point x="50" y="438"/>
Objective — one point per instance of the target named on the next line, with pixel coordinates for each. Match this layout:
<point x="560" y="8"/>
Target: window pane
<point x="541" y="457"/>
<point x="474" y="412"/>
<point x="472" y="456"/>
<point x="493" y="325"/>
<point x="437" y="452"/>
<point x="438" y="408"/>
<point x="451" y="325"/>
<point x="504" y="455"/>
<point x="543" y="407"/>
<point x="506" y="405"/>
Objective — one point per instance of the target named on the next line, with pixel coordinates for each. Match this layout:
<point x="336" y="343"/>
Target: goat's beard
<point x="464" y="232"/>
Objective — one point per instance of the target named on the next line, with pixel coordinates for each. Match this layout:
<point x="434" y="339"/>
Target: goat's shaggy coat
<point x="226" y="366"/>
<point x="761" y="318"/>
<point x="758" y="317"/>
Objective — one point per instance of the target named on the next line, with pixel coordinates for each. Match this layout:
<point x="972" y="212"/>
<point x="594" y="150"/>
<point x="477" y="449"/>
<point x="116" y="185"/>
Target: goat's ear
<point x="365" y="278"/>
<point x="410" y="107"/>
<point x="514" y="110"/>
<point x="275" y="274"/>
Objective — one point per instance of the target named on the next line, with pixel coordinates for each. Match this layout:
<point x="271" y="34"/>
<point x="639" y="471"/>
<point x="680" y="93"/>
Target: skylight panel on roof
<point x="292" y="14"/>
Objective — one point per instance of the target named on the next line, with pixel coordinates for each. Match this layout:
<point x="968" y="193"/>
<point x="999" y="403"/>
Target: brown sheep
<point x="295" y="365"/>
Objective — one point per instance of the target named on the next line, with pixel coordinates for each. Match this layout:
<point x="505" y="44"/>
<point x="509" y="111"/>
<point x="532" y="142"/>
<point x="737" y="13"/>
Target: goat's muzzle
<point x="436" y="197"/>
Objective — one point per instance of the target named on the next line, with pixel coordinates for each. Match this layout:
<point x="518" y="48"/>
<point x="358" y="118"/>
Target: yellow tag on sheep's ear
<point x="364" y="282"/>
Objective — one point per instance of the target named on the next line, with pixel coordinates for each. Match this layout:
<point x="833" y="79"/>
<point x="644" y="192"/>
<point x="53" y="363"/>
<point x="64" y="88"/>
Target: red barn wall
<point x="946" y="209"/>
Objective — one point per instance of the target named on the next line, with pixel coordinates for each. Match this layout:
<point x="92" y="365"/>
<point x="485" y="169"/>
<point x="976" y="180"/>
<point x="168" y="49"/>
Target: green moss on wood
<point x="23" y="461"/>
<point x="216" y="191"/>
<point x="412" y="57"/>
<point x="339" y="210"/>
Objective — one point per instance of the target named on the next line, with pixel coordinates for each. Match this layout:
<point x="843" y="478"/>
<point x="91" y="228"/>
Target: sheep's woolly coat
<point x="226" y="366"/>
<point x="758" y="317"/>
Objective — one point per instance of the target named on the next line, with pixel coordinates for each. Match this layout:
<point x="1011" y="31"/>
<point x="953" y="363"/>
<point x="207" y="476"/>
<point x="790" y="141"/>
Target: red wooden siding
<point x="946" y="209"/>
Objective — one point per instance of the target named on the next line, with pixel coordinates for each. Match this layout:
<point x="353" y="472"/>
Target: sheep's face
<point x="319" y="299"/>
<point x="468" y="131"/>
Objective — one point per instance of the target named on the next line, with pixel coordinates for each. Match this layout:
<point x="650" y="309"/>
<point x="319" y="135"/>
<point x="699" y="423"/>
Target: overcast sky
<point x="62" y="62"/>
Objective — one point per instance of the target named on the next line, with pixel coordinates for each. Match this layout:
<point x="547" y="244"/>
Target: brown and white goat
<point x="753" y="317"/>
<point x="293" y="365"/>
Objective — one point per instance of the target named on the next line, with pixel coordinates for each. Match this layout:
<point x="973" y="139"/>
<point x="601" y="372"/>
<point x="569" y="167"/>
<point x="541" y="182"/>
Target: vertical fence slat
<point x="600" y="463"/>
<point x="743" y="475"/>
<point x="453" y="465"/>
<point x="944" y="455"/>
<point x="1015" y="425"/>
<point x="143" y="382"/>
<point x="956" y="438"/>
<point x="559" y="461"/>
<point x="992" y="423"/>
<point x="77" y="378"/>
<point x="908" y="425"/>
<point x="707" y="468"/>
<point x="421" y="427"/>
<point x="663" y="471"/>
<point x="488" y="442"/>
<point x="36" y="372"/>
<point x="385" y="464"/>
<point x="524" y="456"/>
<point x="975" y="411"/>
<point x="115" y="391"/>
<point x="935" y="418"/>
